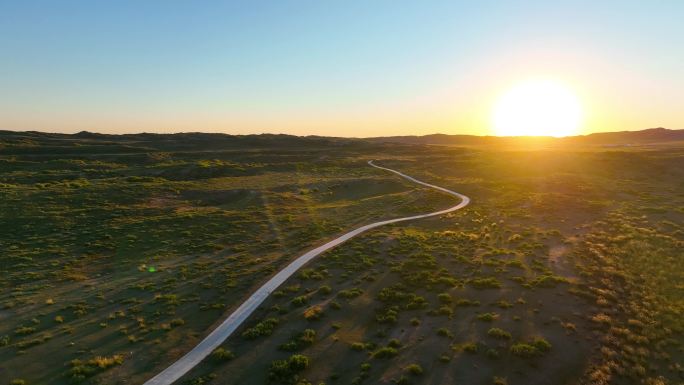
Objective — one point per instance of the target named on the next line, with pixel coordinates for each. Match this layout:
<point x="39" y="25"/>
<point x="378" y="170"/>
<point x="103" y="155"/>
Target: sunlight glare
<point x="537" y="108"/>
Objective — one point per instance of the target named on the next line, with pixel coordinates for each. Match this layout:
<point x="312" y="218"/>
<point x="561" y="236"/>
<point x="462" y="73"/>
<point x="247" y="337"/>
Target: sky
<point x="336" y="68"/>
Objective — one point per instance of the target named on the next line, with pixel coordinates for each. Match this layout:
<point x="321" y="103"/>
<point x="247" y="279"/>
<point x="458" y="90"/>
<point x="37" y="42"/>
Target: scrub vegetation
<point x="119" y="253"/>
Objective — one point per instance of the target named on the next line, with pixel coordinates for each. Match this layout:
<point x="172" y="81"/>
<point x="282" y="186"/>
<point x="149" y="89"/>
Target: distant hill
<point x="12" y="142"/>
<point x="27" y="141"/>
<point x="621" y="138"/>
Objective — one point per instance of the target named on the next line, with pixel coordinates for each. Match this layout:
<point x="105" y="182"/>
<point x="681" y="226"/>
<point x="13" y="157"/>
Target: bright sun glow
<point x="537" y="108"/>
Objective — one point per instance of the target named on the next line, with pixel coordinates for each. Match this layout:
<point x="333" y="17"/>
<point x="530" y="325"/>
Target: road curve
<point x="227" y="327"/>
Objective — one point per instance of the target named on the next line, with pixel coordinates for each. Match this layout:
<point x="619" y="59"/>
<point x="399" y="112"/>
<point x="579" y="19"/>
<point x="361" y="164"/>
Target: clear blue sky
<point x="348" y="68"/>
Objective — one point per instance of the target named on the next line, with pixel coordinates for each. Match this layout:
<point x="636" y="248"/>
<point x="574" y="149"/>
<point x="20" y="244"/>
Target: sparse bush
<point x="541" y="344"/>
<point x="470" y="347"/>
<point x="285" y="371"/>
<point x="499" y="333"/>
<point x="24" y="330"/>
<point x="524" y="350"/>
<point x="299" y="300"/>
<point x="80" y="370"/>
<point x="485" y="283"/>
<point x="350" y="293"/>
<point x="487" y="317"/>
<point x="313" y="313"/>
<point x="221" y="355"/>
<point x="414" y="369"/>
<point x="263" y="328"/>
<point x="358" y="346"/>
<point x="467" y="302"/>
<point x="445" y="298"/>
<point x="385" y="352"/>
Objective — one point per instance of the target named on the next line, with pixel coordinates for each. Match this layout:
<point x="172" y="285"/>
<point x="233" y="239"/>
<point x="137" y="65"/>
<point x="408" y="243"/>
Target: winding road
<point x="227" y="327"/>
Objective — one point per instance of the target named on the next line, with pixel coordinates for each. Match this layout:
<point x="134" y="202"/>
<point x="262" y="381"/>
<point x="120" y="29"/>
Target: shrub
<point x="325" y="290"/>
<point x="541" y="344"/>
<point x="485" y="283"/>
<point x="467" y="302"/>
<point x="444" y="298"/>
<point x="492" y="353"/>
<point x="499" y="333"/>
<point x="313" y="313"/>
<point x="389" y="316"/>
<point x="503" y="304"/>
<point x="350" y="293"/>
<point x="300" y="340"/>
<point x="80" y="370"/>
<point x="487" y="317"/>
<point x="285" y="371"/>
<point x="499" y="381"/>
<point x="446" y="310"/>
<point x="24" y="330"/>
<point x="299" y="300"/>
<point x="468" y="347"/>
<point x="394" y="343"/>
<point x="221" y="354"/>
<point x="414" y="369"/>
<point x="524" y="350"/>
<point x="548" y="281"/>
<point x="385" y="352"/>
<point x="177" y="322"/>
<point x="263" y="328"/>
<point x="358" y="346"/>
<point x="308" y="336"/>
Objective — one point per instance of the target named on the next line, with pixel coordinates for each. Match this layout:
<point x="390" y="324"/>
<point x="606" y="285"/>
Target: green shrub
<point x="221" y="354"/>
<point x="263" y="328"/>
<point x="358" y="346"/>
<point x="524" y="350"/>
<point x="487" y="317"/>
<point x="485" y="283"/>
<point x="467" y="302"/>
<point x="350" y="293"/>
<point x="24" y="330"/>
<point x="499" y="333"/>
<point x="414" y="369"/>
<point x="444" y="298"/>
<point x="541" y="344"/>
<point x="385" y="352"/>
<point x="80" y="370"/>
<point x="299" y="300"/>
<point x="285" y="371"/>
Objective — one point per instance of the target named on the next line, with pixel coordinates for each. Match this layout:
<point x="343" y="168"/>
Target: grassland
<point x="119" y="253"/>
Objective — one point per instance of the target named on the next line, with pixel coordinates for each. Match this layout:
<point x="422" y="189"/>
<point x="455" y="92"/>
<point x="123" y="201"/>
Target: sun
<point x="537" y="108"/>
